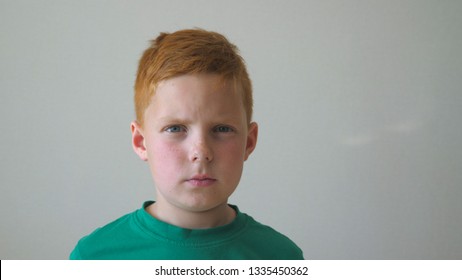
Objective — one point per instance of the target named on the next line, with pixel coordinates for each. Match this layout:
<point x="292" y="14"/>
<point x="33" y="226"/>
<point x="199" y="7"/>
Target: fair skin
<point x="195" y="138"/>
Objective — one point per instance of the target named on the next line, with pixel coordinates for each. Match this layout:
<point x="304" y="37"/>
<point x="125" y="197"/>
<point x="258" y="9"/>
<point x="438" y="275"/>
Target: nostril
<point x="201" y="154"/>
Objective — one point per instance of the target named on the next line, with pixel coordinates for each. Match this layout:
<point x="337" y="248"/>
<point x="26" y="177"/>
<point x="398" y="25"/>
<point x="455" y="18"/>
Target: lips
<point x="201" y="181"/>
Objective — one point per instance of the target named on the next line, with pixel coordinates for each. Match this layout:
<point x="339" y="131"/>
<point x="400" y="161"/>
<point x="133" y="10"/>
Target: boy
<point x="193" y="102"/>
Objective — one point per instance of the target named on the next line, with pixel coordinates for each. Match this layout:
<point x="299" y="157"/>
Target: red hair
<point x="192" y="51"/>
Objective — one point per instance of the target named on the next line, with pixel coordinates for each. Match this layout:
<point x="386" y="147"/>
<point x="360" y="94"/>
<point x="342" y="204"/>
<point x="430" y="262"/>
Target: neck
<point x="221" y="215"/>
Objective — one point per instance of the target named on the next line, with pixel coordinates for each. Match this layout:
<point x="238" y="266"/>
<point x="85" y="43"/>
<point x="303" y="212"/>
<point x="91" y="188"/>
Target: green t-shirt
<point x="138" y="235"/>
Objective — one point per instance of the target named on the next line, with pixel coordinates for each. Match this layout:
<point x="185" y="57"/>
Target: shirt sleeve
<point x="75" y="254"/>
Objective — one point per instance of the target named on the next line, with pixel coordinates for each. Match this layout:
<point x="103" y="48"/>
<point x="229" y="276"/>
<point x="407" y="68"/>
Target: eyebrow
<point x="167" y="119"/>
<point x="176" y="120"/>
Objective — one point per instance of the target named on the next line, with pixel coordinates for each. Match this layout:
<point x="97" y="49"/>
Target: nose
<point x="201" y="151"/>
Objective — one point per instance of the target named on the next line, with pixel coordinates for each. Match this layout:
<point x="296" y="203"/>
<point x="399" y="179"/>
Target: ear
<point x="252" y="136"/>
<point x="138" y="143"/>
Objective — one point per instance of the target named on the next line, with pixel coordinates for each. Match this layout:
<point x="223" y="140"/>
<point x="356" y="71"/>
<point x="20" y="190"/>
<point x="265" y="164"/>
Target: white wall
<point x="359" y="105"/>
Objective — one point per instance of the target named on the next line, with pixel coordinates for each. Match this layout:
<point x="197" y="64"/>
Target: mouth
<point x="201" y="181"/>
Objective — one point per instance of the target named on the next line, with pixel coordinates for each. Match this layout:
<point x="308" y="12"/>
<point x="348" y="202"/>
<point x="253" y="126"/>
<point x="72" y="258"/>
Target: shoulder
<point x="109" y="235"/>
<point x="114" y="227"/>
<point x="272" y="243"/>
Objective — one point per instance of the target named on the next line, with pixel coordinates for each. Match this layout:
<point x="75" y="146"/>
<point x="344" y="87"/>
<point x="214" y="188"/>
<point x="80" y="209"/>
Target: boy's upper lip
<point x="200" y="177"/>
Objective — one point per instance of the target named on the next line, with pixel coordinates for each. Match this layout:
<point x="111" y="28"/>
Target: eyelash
<point x="169" y="129"/>
<point x="180" y="128"/>
<point x="228" y="129"/>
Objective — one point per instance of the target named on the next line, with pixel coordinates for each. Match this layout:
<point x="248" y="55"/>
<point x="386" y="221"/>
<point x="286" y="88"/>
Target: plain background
<point x="359" y="105"/>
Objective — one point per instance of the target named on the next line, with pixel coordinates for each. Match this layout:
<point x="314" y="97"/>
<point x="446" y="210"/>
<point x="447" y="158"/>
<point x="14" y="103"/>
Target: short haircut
<point x="190" y="51"/>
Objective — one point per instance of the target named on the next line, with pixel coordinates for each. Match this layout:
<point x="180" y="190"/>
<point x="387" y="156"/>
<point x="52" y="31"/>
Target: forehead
<point x="197" y="95"/>
<point x="190" y="82"/>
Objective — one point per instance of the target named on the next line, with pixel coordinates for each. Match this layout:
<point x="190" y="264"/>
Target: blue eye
<point x="174" y="129"/>
<point x="223" y="129"/>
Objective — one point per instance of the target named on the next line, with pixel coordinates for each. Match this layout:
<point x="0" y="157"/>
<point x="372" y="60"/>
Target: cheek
<point x="165" y="158"/>
<point x="233" y="152"/>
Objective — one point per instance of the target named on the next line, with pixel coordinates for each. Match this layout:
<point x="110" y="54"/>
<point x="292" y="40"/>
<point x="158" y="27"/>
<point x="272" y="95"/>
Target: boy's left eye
<point x="223" y="129"/>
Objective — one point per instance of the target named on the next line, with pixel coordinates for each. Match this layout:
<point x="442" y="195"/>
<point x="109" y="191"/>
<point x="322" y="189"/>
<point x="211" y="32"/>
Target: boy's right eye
<point x="175" y="129"/>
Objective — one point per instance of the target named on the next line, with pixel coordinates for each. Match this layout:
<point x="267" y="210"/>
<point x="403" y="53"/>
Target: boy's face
<point x="195" y="139"/>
